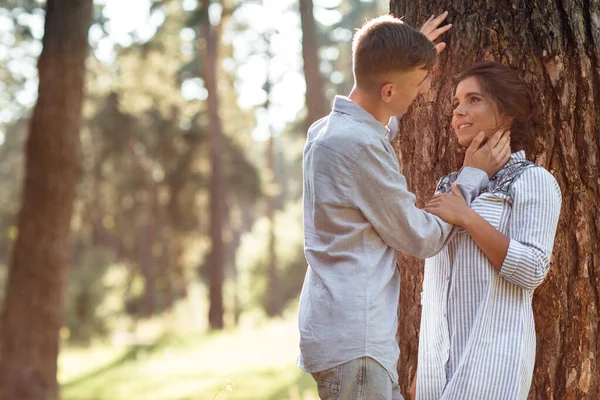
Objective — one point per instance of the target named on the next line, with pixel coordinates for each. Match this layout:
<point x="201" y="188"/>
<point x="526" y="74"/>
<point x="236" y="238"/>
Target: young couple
<point x="487" y="233"/>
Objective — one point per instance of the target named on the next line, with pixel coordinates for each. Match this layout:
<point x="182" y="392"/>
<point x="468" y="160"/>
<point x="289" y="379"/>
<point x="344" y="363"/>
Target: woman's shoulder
<point x="536" y="173"/>
<point x="536" y="180"/>
<point x="519" y="176"/>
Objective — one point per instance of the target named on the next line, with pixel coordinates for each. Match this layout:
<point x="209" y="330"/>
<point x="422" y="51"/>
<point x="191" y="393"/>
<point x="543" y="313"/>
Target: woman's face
<point x="473" y="112"/>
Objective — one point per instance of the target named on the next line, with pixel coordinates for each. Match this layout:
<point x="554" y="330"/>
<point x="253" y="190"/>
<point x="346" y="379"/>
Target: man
<point x="358" y="213"/>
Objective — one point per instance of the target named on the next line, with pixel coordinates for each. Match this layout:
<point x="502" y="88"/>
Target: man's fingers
<point x="432" y="203"/>
<point x="432" y="210"/>
<point x="432" y="23"/>
<point x="440" y="47"/>
<point x="438" y="198"/>
<point x="439" y="19"/>
<point x="456" y="191"/>
<point x="429" y="20"/>
<point x="436" y="33"/>
<point x="426" y="28"/>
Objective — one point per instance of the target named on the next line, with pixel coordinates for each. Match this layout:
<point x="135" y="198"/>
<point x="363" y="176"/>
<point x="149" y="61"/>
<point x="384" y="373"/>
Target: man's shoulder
<point x="341" y="132"/>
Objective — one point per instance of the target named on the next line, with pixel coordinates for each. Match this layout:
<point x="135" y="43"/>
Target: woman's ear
<point x="507" y="122"/>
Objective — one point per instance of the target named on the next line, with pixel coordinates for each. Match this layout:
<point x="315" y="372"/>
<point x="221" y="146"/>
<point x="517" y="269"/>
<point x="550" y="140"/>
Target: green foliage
<point x="96" y="290"/>
<point x="252" y="259"/>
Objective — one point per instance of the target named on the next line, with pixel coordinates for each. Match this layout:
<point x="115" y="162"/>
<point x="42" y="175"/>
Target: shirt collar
<point x="516" y="157"/>
<point x="344" y="105"/>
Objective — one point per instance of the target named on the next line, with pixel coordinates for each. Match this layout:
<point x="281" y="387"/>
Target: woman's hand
<point x="413" y="388"/>
<point x="490" y="156"/>
<point x="452" y="208"/>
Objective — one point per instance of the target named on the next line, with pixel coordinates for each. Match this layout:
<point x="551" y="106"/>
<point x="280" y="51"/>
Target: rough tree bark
<point x="316" y="103"/>
<point x="555" y="45"/>
<point x="33" y="307"/>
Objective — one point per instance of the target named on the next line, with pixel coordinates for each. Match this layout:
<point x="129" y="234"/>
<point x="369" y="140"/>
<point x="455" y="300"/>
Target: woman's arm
<point x="524" y="257"/>
<point x="493" y="243"/>
<point x="454" y="209"/>
<point x="413" y="388"/>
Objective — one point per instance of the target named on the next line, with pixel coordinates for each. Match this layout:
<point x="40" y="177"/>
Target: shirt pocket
<point x="492" y="207"/>
<point x="329" y="382"/>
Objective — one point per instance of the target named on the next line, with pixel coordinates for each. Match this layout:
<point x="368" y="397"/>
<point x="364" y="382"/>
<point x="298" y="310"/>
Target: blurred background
<point x="172" y="295"/>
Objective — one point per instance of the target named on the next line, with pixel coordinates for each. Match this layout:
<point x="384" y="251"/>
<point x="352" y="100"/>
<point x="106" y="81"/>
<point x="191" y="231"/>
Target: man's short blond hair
<point x="386" y="45"/>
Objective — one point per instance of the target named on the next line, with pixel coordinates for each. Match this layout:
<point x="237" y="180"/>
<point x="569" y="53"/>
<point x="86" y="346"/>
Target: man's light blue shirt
<point x="358" y="213"/>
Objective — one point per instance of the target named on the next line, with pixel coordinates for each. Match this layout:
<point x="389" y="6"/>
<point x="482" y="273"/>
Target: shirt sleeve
<point x="534" y="218"/>
<point x="470" y="181"/>
<point x="382" y="196"/>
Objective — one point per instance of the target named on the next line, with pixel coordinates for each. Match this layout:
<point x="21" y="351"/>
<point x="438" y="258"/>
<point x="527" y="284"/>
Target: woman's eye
<point x="474" y="99"/>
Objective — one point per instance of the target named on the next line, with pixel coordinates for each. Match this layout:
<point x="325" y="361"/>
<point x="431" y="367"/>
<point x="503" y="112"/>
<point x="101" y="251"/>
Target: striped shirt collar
<point x="516" y="157"/>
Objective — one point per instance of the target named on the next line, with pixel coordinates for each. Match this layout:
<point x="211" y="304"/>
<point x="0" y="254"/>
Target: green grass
<point x="245" y="363"/>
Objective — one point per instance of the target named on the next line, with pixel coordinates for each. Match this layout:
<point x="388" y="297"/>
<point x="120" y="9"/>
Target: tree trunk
<point x="316" y="103"/>
<point x="273" y="306"/>
<point x="554" y="46"/>
<point x="217" y="259"/>
<point x="273" y="297"/>
<point x="33" y="307"/>
<point x="146" y="242"/>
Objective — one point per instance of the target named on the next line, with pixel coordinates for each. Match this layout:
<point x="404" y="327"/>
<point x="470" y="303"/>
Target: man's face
<point x="406" y="86"/>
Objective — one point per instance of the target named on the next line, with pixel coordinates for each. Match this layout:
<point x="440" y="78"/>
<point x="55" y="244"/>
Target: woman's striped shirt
<point x="477" y="337"/>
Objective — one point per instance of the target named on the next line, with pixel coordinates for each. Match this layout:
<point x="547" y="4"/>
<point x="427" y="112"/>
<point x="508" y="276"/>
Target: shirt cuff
<point x="512" y="259"/>
<point x="473" y="177"/>
<point x="471" y="182"/>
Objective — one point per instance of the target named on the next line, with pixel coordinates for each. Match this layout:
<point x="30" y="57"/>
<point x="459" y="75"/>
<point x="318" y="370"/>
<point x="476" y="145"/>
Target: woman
<point x="477" y="336"/>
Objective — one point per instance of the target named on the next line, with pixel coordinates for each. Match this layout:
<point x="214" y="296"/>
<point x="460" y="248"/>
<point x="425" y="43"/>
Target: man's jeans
<point x="360" y="379"/>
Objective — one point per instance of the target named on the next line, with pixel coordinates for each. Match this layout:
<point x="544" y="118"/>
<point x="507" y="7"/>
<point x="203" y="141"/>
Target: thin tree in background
<point x="34" y="302"/>
<point x="554" y="46"/>
<point x="209" y="45"/>
<point x="273" y="301"/>
<point x="316" y="103"/>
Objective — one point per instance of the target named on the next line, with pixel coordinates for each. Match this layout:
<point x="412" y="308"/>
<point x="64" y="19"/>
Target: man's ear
<point x="387" y="92"/>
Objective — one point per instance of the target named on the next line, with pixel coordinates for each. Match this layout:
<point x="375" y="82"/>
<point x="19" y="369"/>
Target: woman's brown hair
<point x="513" y="98"/>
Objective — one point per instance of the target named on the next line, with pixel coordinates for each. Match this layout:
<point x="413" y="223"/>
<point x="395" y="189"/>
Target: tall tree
<point x="555" y="47"/>
<point x="209" y="48"/>
<point x="273" y="300"/>
<point x="33" y="307"/>
<point x="316" y="104"/>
